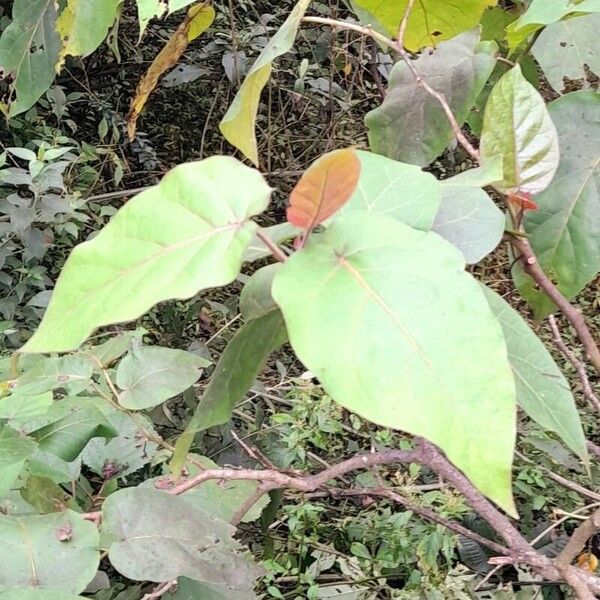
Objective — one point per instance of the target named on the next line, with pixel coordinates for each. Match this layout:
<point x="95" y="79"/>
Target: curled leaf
<point x="199" y="18"/>
<point x="324" y="188"/>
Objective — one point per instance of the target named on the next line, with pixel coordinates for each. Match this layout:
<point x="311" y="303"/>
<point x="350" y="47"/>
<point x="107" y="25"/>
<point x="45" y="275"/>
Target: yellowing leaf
<point x="325" y="187"/>
<point x="238" y="124"/>
<point x="83" y="25"/>
<point x="430" y="21"/>
<point x="199" y="18"/>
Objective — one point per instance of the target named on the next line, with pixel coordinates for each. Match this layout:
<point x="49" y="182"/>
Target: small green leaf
<point x="29" y="49"/>
<point x="72" y="423"/>
<point x="384" y="315"/>
<point x="568" y="50"/>
<point x="158" y="537"/>
<point x="184" y="235"/>
<point x="411" y="126"/>
<point x="395" y="189"/>
<point x="54" y="552"/>
<point x="517" y="126"/>
<point x="565" y="232"/>
<point x="542" y="390"/>
<point x="19" y="408"/>
<point x="234" y="374"/>
<point x="150" y="375"/>
<point x="15" y="449"/>
<point x="256" y="300"/>
<point x="469" y="219"/>
<point x="239" y="123"/>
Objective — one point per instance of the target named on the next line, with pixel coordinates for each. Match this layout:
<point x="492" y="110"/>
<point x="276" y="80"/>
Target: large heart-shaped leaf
<point x="384" y="316"/>
<point x="395" y="189"/>
<point x="568" y="50"/>
<point x="469" y="219"/>
<point x="54" y="552"/>
<point x="565" y="231"/>
<point x="29" y="49"/>
<point x="429" y="22"/>
<point x="411" y="126"/>
<point x="158" y="537"/>
<point x="239" y="123"/>
<point x="186" y="234"/>
<point x="150" y="375"/>
<point x="517" y="126"/>
<point x="542" y="390"/>
<point x="15" y="449"/>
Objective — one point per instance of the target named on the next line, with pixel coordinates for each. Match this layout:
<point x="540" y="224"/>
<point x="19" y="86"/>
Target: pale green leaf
<point x="17" y="407"/>
<point x="543" y="12"/>
<point x="517" y="126"/>
<point x="430" y="20"/>
<point x="411" y="126"/>
<point x="395" y="189"/>
<point x="256" y="300"/>
<point x="384" y="316"/>
<point x="568" y="50"/>
<point x="55" y="552"/>
<point x="469" y="219"/>
<point x="29" y="49"/>
<point x="150" y="375"/>
<point x="239" y="123"/>
<point x="15" y="449"/>
<point x="107" y="352"/>
<point x="565" y="231"/>
<point x="83" y="25"/>
<point x="542" y="390"/>
<point x="34" y="594"/>
<point x="489" y="173"/>
<point x="157" y="537"/>
<point x="184" y="235"/>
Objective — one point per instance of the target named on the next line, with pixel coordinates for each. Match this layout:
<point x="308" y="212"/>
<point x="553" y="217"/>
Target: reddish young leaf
<point x="325" y="187"/>
<point x="523" y="201"/>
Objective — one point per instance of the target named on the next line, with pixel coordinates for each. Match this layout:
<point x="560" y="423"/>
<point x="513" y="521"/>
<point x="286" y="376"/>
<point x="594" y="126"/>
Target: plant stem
<point x="275" y="250"/>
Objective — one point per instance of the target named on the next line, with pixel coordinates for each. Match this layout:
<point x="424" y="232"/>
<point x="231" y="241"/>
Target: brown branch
<point x="275" y="250"/>
<point x="532" y="267"/>
<point x="578" y="540"/>
<point x="588" y="392"/>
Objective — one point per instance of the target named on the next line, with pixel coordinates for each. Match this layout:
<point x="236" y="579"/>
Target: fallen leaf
<point x="199" y="18"/>
<point x="324" y="188"/>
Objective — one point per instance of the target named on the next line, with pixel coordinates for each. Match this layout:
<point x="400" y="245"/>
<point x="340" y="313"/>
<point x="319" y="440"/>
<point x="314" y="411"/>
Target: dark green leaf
<point x="15" y="449"/>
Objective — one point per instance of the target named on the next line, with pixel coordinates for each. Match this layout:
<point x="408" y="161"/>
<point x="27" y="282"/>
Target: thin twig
<point x="579" y="539"/>
<point x="368" y="31"/>
<point x="160" y="590"/>
<point x="275" y="250"/>
<point x="588" y="392"/>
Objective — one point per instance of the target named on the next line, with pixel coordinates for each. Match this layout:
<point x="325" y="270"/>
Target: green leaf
<point x="234" y="374"/>
<point x="568" y="50"/>
<point x="18" y="408"/>
<point x="279" y="233"/>
<point x="541" y="13"/>
<point x="150" y="375"/>
<point x="150" y="9"/>
<point x="83" y="25"/>
<point x="565" y="231"/>
<point x="128" y="451"/>
<point x="469" y="219"/>
<point x="159" y="537"/>
<point x="193" y="590"/>
<point x="15" y="449"/>
<point x="256" y="300"/>
<point x="43" y="494"/>
<point x="396" y="189"/>
<point x="184" y="235"/>
<point x="29" y="49"/>
<point x="55" y="552"/>
<point x="494" y="22"/>
<point x="50" y="373"/>
<point x="33" y="594"/>
<point x="239" y="123"/>
<point x="429" y="22"/>
<point x="489" y="173"/>
<point x="384" y="316"/>
<point x="107" y="352"/>
<point x="517" y="126"/>
<point x="72" y="423"/>
<point x="411" y="126"/>
<point x="542" y="390"/>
